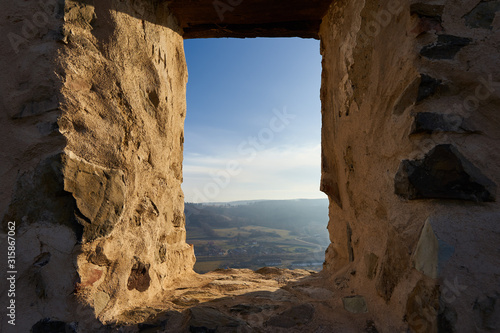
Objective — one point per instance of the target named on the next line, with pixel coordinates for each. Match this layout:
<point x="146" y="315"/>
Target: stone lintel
<point x="249" y="18"/>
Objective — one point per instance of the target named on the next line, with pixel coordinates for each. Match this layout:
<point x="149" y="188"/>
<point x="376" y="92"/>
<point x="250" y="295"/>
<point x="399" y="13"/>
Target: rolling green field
<point x="235" y="237"/>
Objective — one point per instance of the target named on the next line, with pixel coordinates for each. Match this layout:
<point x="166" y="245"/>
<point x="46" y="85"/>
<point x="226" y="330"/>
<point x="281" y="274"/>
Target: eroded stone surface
<point x="99" y="195"/>
<point x="355" y="304"/>
<point x="425" y="257"/>
<point x="428" y="122"/>
<point x="446" y="47"/>
<point x="482" y="15"/>
<point x="443" y="174"/>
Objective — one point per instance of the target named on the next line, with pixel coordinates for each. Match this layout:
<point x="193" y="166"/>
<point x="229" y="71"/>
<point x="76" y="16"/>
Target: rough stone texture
<point x="433" y="69"/>
<point x="446" y="47"/>
<point x="482" y="15"/>
<point x="444" y="173"/>
<point x="92" y="158"/>
<point x="124" y="81"/>
<point x="355" y="304"/>
<point x="428" y="87"/>
<point x="429" y="123"/>
<point x="426" y="255"/>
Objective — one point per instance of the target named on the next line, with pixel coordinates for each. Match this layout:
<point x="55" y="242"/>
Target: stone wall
<point x="410" y="135"/>
<point x="94" y="115"/>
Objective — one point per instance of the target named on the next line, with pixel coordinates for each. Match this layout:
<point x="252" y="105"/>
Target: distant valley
<point x="253" y="234"/>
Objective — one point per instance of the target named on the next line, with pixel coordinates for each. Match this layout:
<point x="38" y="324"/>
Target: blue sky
<point x="253" y="119"/>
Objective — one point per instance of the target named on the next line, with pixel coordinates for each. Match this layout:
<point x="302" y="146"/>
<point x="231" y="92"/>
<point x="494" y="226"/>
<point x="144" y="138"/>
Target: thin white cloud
<point x="284" y="172"/>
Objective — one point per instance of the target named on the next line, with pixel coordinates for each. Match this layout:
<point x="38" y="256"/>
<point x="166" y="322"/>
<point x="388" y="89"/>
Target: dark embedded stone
<point x="444" y="173"/>
<point x="48" y="326"/>
<point x="428" y="87"/>
<point x="446" y="47"/>
<point x="42" y="260"/>
<point x="428" y="122"/>
<point x="297" y="316"/>
<point x="425" y="9"/>
<point x="139" y="278"/>
<point x="482" y="15"/>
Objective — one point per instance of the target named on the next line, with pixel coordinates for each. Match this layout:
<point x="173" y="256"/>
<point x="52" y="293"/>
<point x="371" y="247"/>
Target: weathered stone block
<point x="101" y="299"/>
<point x="425" y="257"/>
<point x="99" y="195"/>
<point x="482" y="15"/>
<point x="428" y="122"/>
<point x="355" y="304"/>
<point x="443" y="173"/>
<point x="425" y="9"/>
<point x="428" y="87"/>
<point x="446" y="47"/>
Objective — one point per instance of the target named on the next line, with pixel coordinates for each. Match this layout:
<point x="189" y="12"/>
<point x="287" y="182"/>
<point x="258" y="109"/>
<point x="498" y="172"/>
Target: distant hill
<point x="252" y="234"/>
<point x="291" y="215"/>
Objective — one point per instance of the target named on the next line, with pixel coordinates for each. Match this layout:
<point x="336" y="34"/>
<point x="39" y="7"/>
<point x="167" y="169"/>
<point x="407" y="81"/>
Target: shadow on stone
<point x="444" y="173"/>
<point x="446" y="47"/>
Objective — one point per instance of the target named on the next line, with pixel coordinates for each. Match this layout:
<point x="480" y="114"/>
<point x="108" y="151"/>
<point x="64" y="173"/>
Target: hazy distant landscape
<point x="252" y="234"/>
